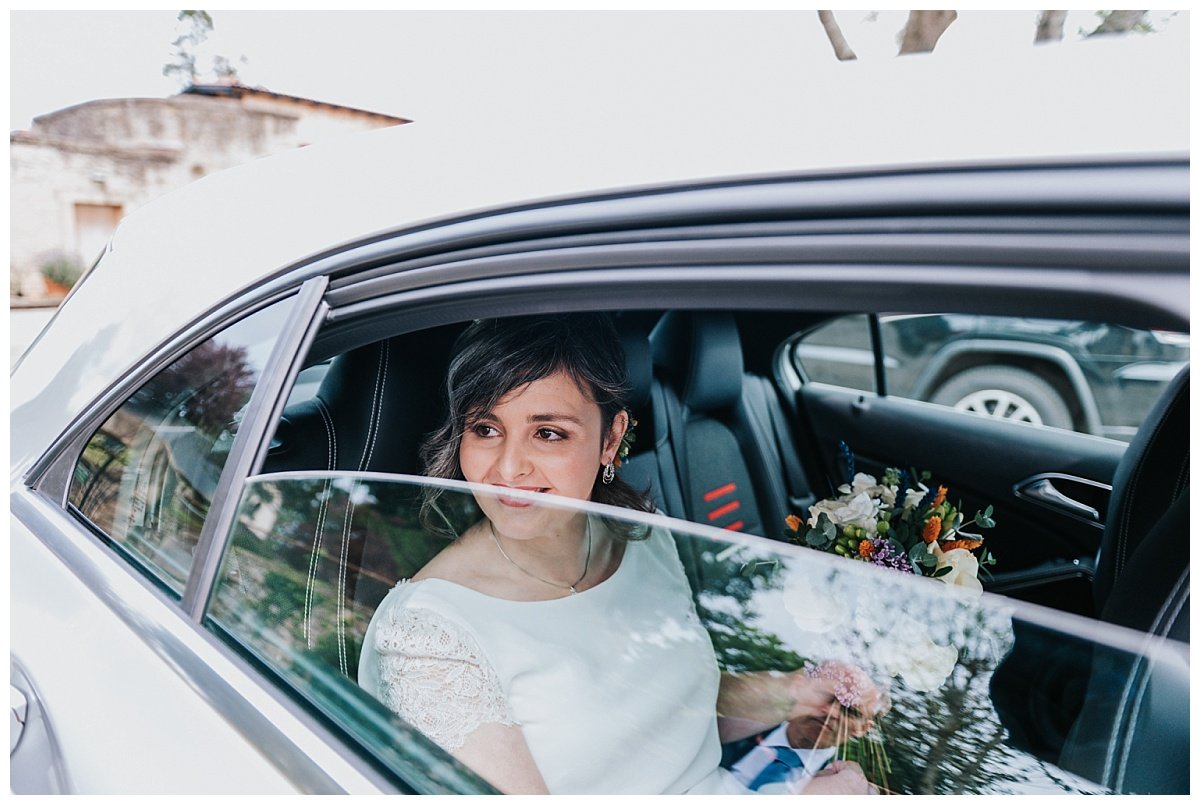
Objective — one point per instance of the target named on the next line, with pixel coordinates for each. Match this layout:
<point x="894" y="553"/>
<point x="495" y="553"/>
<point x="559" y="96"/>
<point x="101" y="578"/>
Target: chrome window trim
<point x="265" y="402"/>
<point x="196" y="655"/>
<point x="832" y="287"/>
<point x="876" y="243"/>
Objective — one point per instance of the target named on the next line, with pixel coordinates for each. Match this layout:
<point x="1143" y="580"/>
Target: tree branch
<point x="1050" y="26"/>
<point x="923" y="29"/>
<point x="841" y="48"/>
<point x="1118" y="22"/>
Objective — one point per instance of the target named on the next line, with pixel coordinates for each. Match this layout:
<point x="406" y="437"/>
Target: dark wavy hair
<point x="493" y="357"/>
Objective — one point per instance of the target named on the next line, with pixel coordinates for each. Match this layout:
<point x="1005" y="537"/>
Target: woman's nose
<point x="514" y="460"/>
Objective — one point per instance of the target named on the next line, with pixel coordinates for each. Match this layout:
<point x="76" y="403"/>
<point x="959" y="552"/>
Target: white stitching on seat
<point x="340" y="605"/>
<point x="331" y="456"/>
<point x="376" y="406"/>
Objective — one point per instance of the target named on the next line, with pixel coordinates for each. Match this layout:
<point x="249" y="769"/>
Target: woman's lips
<point x="519" y="503"/>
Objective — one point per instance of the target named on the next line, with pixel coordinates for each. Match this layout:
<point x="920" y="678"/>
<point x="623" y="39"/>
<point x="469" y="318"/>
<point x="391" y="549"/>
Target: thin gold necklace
<point x="570" y="587"/>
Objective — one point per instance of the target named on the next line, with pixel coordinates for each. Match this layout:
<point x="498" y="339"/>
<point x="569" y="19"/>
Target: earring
<point x="610" y="472"/>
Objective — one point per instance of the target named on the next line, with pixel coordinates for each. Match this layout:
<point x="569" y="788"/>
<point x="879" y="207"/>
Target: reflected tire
<point x="1005" y="392"/>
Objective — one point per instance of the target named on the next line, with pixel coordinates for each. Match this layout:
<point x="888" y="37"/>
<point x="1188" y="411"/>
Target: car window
<point x="147" y="475"/>
<point x="1084" y="376"/>
<point x="987" y="695"/>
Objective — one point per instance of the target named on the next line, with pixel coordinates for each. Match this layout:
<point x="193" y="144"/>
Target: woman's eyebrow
<point x="555" y="417"/>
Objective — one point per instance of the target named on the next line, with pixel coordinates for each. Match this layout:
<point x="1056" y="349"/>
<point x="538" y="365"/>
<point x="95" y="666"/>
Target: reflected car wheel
<point x="1005" y="392"/>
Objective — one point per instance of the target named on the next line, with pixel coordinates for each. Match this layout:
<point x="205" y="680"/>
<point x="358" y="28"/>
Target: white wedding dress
<point x="615" y="688"/>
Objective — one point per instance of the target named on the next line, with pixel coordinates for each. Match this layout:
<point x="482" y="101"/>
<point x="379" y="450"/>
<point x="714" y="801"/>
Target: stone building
<point x="78" y="170"/>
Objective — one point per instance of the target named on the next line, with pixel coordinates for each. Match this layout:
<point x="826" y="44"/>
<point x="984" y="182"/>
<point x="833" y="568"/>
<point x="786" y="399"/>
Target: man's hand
<point x="840" y="777"/>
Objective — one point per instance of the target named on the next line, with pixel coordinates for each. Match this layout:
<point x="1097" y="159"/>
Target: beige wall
<point x="126" y="152"/>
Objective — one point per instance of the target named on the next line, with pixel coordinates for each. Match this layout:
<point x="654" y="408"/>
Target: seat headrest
<point x="702" y="354"/>
<point x="638" y="365"/>
<point x="1153" y="473"/>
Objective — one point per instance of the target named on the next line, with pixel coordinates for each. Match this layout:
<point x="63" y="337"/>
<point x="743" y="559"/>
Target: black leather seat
<point x="371" y="410"/>
<point x="1110" y="714"/>
<point x="649" y="467"/>
<point x="1130" y="734"/>
<point x="1153" y="476"/>
<point x="367" y="415"/>
<point x="723" y="474"/>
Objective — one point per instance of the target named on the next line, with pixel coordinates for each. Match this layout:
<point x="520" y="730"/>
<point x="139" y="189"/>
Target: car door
<point x="116" y="689"/>
<point x="860" y="401"/>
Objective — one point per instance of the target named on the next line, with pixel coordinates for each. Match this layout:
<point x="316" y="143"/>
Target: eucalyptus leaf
<point x="942" y="571"/>
<point x="815" y="539"/>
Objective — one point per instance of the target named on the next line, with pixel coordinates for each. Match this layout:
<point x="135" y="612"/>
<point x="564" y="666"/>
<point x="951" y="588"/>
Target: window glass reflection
<point x="147" y="476"/>
<point x="978" y="694"/>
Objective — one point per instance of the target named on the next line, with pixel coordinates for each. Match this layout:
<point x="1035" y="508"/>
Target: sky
<point x="420" y="64"/>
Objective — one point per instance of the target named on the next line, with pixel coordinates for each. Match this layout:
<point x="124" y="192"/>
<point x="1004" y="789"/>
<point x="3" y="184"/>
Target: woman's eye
<point x="549" y="435"/>
<point x="484" y="430"/>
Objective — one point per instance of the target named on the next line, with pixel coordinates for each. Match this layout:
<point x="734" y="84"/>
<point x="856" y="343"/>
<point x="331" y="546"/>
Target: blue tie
<point x="786" y="760"/>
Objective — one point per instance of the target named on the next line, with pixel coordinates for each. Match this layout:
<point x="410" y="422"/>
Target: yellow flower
<point x="933" y="528"/>
<point x="865" y="549"/>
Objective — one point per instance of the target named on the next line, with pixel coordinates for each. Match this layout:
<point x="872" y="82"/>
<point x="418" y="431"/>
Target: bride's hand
<point x="840" y="777"/>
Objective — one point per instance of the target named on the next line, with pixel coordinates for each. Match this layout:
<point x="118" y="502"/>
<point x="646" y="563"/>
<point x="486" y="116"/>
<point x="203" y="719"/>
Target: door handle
<point x="1043" y="490"/>
<point x="35" y="760"/>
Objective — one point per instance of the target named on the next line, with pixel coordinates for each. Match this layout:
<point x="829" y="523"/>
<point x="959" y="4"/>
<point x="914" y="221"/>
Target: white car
<point x="190" y="586"/>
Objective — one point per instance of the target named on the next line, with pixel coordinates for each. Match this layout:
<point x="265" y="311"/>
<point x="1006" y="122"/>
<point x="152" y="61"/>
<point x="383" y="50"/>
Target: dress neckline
<point x="581" y="594"/>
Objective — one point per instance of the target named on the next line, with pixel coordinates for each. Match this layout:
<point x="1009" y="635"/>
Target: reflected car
<point x="214" y="452"/>
<point x="1085" y="376"/>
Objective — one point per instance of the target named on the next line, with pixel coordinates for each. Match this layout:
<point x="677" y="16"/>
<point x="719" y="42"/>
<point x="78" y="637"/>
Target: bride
<point x="550" y="651"/>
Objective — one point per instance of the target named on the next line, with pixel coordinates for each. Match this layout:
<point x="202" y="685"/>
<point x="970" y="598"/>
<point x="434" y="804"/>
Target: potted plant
<point x="60" y="272"/>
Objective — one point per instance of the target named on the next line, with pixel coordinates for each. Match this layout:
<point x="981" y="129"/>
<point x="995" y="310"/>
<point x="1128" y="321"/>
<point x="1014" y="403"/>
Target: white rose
<point x="888" y="495"/>
<point x="910" y="653"/>
<point x="813" y="610"/>
<point x="861" y="483"/>
<point x="862" y="510"/>
<point x="964" y="569"/>
<point x="827" y="507"/>
<point x="913" y="497"/>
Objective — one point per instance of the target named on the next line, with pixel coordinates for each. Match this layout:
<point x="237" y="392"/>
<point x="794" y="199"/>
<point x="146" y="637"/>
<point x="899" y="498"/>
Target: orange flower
<point x="932" y="529"/>
<point x="966" y="544"/>
<point x="941" y="497"/>
<point x="793" y="522"/>
<point x="865" y="549"/>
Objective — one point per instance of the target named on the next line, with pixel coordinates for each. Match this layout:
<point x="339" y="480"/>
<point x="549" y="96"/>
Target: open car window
<point x="1089" y="377"/>
<point x="987" y="695"/>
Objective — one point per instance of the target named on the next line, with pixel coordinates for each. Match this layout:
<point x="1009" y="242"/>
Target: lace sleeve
<point x="433" y="674"/>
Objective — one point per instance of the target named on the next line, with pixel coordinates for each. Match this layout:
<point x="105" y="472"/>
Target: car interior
<point x="723" y="438"/>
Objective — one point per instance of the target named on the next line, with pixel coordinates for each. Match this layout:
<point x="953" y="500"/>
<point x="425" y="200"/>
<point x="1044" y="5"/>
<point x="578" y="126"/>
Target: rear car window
<point x="146" y="477"/>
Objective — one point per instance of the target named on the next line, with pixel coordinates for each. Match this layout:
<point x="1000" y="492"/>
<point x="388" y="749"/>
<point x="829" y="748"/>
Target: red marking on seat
<point x="720" y="491"/>
<point x="736" y="525"/>
<point x="726" y="509"/>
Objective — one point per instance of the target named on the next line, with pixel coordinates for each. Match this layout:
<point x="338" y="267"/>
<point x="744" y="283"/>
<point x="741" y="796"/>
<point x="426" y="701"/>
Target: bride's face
<point x="543" y="437"/>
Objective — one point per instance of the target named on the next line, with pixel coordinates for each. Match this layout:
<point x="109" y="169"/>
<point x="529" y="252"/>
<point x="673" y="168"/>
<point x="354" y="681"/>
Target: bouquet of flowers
<point x="903" y="521"/>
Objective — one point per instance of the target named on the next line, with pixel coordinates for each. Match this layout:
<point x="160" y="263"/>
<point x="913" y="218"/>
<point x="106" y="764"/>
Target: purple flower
<point x="886" y="555"/>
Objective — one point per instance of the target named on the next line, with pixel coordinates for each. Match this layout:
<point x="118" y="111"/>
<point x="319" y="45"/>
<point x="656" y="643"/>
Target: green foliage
<point x="822" y="534"/>
<point x="62" y="269"/>
<point x="194" y="27"/>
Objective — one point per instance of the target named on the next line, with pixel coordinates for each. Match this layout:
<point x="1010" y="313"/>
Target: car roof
<point x="186" y="253"/>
